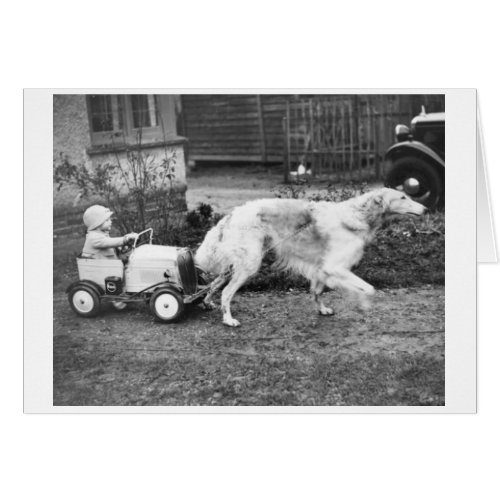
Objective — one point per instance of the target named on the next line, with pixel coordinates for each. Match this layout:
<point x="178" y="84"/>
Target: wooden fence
<point x="336" y="135"/>
<point x="233" y="127"/>
<point x="345" y="137"/>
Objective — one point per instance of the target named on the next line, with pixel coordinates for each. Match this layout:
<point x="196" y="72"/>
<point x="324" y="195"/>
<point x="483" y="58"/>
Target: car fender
<point x="408" y="148"/>
<point x="94" y="286"/>
<point x="169" y="286"/>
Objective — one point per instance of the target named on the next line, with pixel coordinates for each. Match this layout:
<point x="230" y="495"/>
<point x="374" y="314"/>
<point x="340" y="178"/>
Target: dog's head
<point x="392" y="201"/>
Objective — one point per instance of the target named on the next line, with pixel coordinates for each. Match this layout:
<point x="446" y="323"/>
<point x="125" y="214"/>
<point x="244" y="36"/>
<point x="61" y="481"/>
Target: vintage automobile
<point x="416" y="161"/>
<point x="164" y="276"/>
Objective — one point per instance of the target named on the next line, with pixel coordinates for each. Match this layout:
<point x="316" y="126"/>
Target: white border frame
<point x="460" y="300"/>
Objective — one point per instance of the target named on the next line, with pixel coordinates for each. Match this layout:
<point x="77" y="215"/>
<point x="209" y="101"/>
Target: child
<point x="98" y="244"/>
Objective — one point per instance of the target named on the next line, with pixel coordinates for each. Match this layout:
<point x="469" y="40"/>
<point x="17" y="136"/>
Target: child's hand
<point x="130" y="237"/>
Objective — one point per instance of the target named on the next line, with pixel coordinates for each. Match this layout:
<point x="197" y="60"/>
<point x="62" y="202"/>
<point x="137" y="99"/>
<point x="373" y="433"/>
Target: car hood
<point x="429" y="117"/>
<point x="154" y="253"/>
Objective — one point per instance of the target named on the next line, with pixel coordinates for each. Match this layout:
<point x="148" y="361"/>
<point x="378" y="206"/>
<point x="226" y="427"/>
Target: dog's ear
<point x="380" y="200"/>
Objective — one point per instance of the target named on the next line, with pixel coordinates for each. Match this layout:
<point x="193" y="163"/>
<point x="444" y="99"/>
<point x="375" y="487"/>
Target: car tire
<point x="430" y="186"/>
<point x="167" y="305"/>
<point x="84" y="301"/>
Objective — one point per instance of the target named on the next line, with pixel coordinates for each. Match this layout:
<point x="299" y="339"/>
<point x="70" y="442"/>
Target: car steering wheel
<point x="124" y="250"/>
<point x="140" y="241"/>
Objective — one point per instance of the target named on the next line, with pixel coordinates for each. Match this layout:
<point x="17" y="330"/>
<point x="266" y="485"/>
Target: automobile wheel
<point x="84" y="301"/>
<point x="118" y="305"/>
<point x="166" y="305"/>
<point x="418" y="179"/>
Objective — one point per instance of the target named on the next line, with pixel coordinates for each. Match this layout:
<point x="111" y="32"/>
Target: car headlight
<point x="402" y="133"/>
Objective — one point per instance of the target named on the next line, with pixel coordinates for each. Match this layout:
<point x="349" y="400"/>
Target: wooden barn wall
<point x="244" y="127"/>
<point x="221" y="127"/>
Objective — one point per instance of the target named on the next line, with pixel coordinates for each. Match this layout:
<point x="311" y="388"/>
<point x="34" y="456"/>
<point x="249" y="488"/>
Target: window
<point x="106" y="113"/>
<point x="116" y="119"/>
<point x="144" y="111"/>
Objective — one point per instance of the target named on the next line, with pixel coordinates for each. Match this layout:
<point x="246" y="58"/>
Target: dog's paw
<point x="326" y="311"/>
<point x="231" y="322"/>
<point x="365" y="305"/>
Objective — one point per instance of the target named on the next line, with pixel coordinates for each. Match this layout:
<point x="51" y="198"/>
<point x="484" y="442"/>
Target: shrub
<point x="340" y="192"/>
<point x="335" y="192"/>
<point x="291" y="191"/>
<point x="406" y="252"/>
<point x="198" y="222"/>
<point x="139" y="189"/>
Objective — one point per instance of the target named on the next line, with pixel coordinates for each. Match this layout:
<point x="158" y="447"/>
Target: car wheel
<point x="166" y="305"/>
<point x="84" y="301"/>
<point x="418" y="179"/>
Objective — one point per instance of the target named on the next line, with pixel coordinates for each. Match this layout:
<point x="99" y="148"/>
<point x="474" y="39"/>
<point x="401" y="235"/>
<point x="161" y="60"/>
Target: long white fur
<point x="319" y="240"/>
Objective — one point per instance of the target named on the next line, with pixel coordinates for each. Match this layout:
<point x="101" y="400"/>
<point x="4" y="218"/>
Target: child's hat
<point x="95" y="215"/>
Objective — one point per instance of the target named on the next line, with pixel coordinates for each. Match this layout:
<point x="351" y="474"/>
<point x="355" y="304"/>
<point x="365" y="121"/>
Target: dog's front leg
<point x="347" y="280"/>
<point x="317" y="288"/>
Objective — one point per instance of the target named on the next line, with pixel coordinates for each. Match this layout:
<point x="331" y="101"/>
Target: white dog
<point x="319" y="240"/>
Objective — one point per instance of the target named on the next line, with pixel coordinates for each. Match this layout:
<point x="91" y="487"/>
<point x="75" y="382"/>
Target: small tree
<point x="139" y="189"/>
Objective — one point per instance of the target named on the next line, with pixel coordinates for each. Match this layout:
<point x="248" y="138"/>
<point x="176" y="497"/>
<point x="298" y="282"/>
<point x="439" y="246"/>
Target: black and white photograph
<point x="248" y="249"/>
<point x="237" y="261"/>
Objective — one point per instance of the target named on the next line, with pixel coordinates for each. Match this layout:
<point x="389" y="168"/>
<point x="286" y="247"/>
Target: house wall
<point x="72" y="140"/>
<point x="155" y="155"/>
<point x="71" y="128"/>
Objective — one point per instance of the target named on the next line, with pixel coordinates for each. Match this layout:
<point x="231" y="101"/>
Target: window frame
<point x="132" y="136"/>
<point x="107" y="137"/>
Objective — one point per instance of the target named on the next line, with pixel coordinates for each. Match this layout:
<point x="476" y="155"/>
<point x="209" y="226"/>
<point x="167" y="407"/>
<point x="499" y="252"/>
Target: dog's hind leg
<point x="216" y="285"/>
<point x="245" y="264"/>
<point x="317" y="288"/>
<point x="232" y="287"/>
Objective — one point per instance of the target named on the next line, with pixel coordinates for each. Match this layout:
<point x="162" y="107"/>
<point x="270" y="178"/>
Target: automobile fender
<point x="94" y="286"/>
<point x="169" y="286"/>
<point x="411" y="147"/>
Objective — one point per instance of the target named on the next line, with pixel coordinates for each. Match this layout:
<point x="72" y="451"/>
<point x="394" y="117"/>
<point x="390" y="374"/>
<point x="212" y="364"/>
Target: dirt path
<point x="224" y="187"/>
<point x="284" y="353"/>
<point x="222" y="199"/>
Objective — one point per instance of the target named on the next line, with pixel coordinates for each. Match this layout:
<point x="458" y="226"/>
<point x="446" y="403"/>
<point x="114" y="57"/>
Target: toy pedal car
<point x="164" y="276"/>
